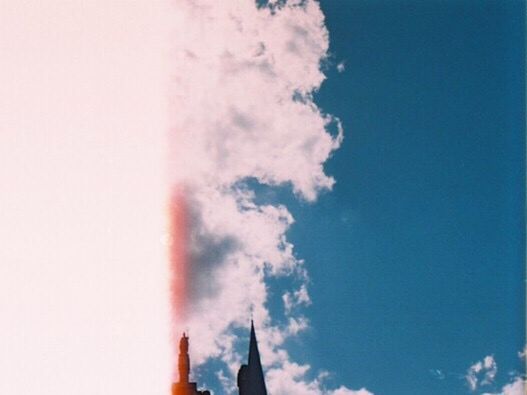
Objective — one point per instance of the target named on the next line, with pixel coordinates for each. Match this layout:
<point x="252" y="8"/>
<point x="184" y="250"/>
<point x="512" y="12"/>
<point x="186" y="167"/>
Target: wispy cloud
<point x="481" y="373"/>
<point x="296" y="298"/>
<point x="437" y="373"/>
<point x="523" y="354"/>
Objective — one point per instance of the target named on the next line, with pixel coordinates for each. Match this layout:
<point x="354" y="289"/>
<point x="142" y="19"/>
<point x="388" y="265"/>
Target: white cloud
<point x="243" y="109"/>
<point x="290" y="379"/>
<point x="239" y="68"/>
<point x="481" y="373"/>
<point x="491" y="368"/>
<point x="341" y="67"/>
<point x="297" y="325"/>
<point x="297" y="298"/>
<point x="346" y="391"/>
<point x="516" y="387"/>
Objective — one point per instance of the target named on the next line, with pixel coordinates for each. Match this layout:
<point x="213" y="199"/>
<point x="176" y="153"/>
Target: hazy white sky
<point x="83" y="270"/>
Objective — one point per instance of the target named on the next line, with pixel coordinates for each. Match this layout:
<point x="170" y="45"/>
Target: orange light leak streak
<point x="178" y="256"/>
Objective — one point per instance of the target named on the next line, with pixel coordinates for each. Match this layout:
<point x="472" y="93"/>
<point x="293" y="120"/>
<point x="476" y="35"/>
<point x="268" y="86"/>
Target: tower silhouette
<point x="250" y="377"/>
<point x="183" y="386"/>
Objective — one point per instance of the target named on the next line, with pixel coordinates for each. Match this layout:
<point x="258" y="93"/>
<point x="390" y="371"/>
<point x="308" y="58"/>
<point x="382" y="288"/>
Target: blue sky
<point x="417" y="255"/>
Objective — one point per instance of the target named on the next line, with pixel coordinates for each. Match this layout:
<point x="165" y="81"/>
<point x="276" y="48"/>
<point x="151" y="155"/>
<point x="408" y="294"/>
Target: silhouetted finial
<point x="183" y="344"/>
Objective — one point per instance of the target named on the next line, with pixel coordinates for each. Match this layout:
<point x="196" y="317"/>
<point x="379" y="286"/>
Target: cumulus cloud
<point x="341" y="67"/>
<point x="244" y="88"/>
<point x="481" y="373"/>
<point x="516" y="387"/>
<point x="243" y="115"/>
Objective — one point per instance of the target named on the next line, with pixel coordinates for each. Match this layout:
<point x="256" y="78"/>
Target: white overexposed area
<point x="84" y="305"/>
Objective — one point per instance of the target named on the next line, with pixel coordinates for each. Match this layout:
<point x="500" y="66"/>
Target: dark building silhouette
<point x="250" y="377"/>
<point x="184" y="387"/>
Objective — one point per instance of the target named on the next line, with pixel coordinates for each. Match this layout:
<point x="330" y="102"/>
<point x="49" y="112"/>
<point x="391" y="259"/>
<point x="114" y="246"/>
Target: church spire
<point x="250" y="377"/>
<point x="254" y="354"/>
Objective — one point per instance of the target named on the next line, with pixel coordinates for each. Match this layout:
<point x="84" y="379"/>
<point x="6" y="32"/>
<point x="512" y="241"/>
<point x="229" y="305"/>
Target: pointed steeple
<point x="250" y="377"/>
<point x="254" y="354"/>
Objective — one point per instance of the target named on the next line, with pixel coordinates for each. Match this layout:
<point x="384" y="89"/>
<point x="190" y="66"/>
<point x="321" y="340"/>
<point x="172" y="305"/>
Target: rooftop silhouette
<point x="250" y="376"/>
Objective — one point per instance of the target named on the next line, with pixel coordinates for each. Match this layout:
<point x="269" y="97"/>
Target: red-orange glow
<point x="178" y="254"/>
